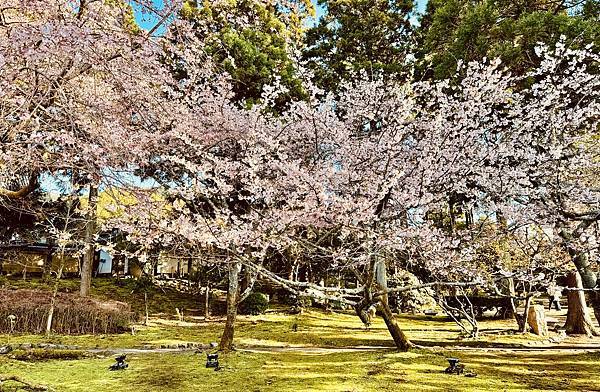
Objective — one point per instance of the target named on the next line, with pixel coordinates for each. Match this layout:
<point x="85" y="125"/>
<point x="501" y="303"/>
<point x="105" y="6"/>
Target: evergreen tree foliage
<point x="455" y="31"/>
<point x="358" y="35"/>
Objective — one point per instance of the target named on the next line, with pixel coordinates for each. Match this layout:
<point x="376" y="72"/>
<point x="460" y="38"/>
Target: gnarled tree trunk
<point x="226" y="343"/>
<point x="581" y="260"/>
<point x="400" y="339"/>
<point x="578" y="317"/>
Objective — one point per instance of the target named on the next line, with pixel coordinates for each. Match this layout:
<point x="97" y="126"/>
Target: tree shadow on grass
<point x="166" y="375"/>
<point x="547" y="371"/>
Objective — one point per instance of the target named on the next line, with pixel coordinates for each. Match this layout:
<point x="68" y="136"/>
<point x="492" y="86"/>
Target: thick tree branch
<point x="24" y="191"/>
<point x="424" y="285"/>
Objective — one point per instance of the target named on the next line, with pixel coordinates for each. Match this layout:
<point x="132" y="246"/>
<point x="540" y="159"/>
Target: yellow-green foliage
<point x="128" y="18"/>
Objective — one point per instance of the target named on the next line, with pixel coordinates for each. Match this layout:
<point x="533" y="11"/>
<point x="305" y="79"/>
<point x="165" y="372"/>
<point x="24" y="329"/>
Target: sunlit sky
<point x="148" y="21"/>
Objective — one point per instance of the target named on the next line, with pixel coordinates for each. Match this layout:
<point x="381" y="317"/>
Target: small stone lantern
<point x="212" y="360"/>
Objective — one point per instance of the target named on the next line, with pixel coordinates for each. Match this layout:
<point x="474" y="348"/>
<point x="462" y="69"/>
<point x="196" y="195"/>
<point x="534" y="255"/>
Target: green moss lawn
<point x="314" y="351"/>
<point x="351" y="371"/>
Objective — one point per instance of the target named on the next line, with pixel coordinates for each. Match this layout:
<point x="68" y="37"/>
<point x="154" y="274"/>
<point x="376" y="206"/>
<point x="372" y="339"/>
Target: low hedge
<point x="73" y="315"/>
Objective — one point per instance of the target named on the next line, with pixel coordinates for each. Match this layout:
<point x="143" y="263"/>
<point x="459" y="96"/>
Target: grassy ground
<point x="382" y="369"/>
<point x="358" y="371"/>
<point x="276" y="328"/>
<point x="261" y="365"/>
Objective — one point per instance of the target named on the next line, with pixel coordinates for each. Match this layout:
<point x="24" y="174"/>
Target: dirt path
<point x="251" y="349"/>
<point x="311" y="350"/>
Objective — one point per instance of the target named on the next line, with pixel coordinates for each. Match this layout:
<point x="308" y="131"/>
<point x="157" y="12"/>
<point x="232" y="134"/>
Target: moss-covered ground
<point x="348" y="371"/>
<point x="316" y="358"/>
<point x="160" y="300"/>
<point x="313" y="328"/>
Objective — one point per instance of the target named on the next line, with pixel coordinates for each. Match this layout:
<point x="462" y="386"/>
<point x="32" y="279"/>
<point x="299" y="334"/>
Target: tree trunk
<point x="400" y="339"/>
<point x="596" y="305"/>
<point x="402" y="342"/>
<point x="207" y="300"/>
<point x="50" y="317"/>
<point x="47" y="267"/>
<point x="469" y="217"/>
<point x="226" y="343"/>
<point x="510" y="290"/>
<point x="146" y="307"/>
<point x="452" y="215"/>
<point x="581" y="260"/>
<point x="524" y="327"/>
<point x="578" y="317"/>
<point x="54" y="294"/>
<point x="90" y="231"/>
<point x="190" y="267"/>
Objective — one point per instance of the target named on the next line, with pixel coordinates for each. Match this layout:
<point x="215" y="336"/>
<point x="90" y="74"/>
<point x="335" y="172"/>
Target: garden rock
<point x="5" y="349"/>
<point x="536" y="318"/>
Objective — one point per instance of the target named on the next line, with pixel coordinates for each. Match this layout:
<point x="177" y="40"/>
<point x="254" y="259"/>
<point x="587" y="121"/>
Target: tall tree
<point x="358" y="35"/>
<point x="253" y="41"/>
<point x="459" y="31"/>
<point x="80" y="88"/>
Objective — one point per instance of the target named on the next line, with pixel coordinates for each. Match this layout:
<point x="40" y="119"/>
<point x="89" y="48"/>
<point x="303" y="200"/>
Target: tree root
<point x="27" y="386"/>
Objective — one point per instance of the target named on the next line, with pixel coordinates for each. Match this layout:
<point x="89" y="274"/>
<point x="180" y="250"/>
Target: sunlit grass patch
<point x="420" y="370"/>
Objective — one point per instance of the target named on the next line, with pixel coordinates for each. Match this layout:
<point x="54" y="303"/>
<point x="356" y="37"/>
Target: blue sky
<point x="148" y="21"/>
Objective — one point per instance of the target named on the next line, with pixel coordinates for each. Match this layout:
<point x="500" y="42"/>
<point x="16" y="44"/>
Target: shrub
<point x="73" y="315"/>
<point x="255" y="303"/>
<point x="413" y="301"/>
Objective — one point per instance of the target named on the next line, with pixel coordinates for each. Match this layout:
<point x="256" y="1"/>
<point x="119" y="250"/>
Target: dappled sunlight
<point x="317" y="351"/>
<point x="266" y="343"/>
<point x="419" y="370"/>
<point x="311" y="328"/>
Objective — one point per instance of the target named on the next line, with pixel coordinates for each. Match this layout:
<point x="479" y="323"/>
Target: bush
<point x="73" y="315"/>
<point x="413" y="301"/>
<point x="255" y="303"/>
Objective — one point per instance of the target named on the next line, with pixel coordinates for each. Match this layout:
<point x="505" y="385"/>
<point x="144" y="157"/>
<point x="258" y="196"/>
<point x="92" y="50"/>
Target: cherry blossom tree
<point x="80" y="91"/>
<point x="367" y="164"/>
<point x="531" y="157"/>
<point x="88" y="97"/>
